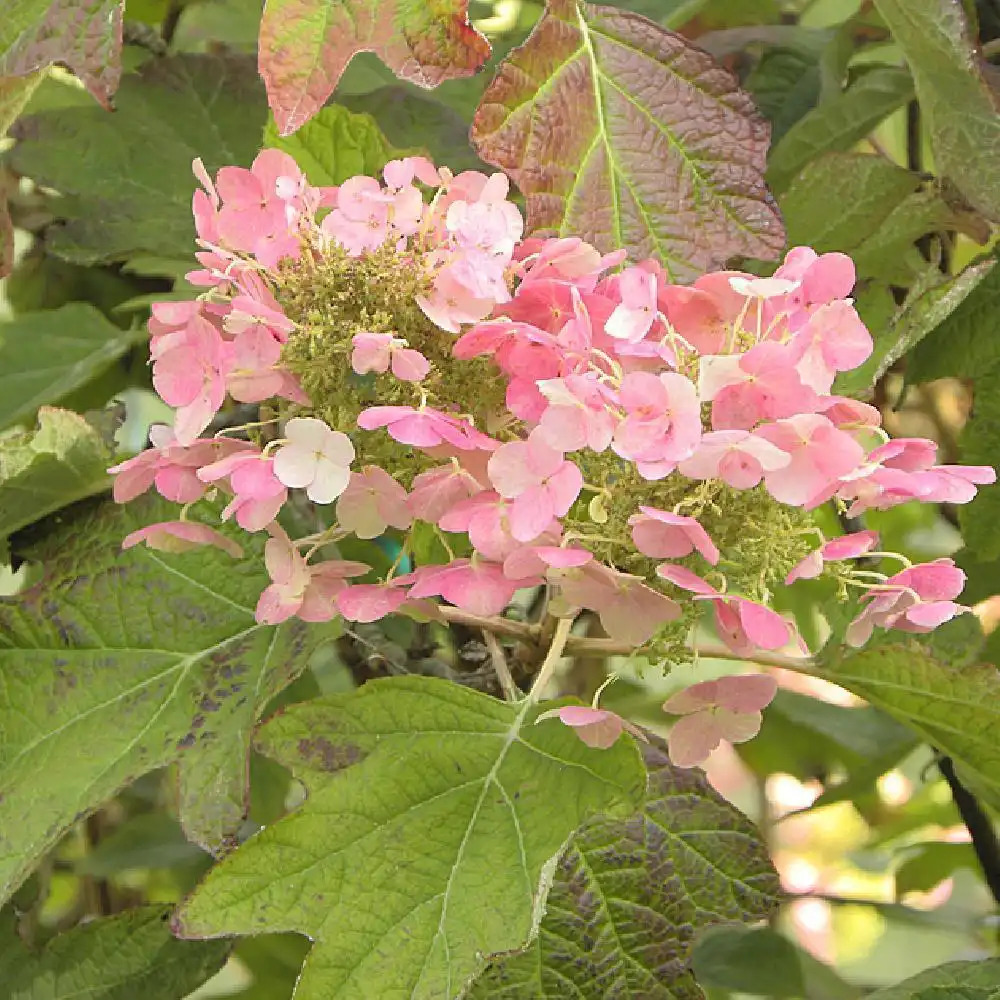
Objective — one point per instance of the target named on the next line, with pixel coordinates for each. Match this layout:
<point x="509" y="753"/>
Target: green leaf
<point x="305" y="46"/>
<point x="45" y="355"/>
<point x="978" y="446"/>
<point x="629" y="896"/>
<point x="43" y="470"/>
<point x="924" y="310"/>
<point x="960" y="108"/>
<point x="931" y="863"/>
<point x="840" y="199"/>
<point x="143" y="658"/>
<point x="335" y="145"/>
<point x="839" y="123"/>
<point x="121" y="199"/>
<point x="15" y="92"/>
<point x="952" y="981"/>
<point x="623" y="133"/>
<point x="758" y="960"/>
<point x="953" y="705"/>
<point x="85" y="35"/>
<point x="116" y="958"/>
<point x="436" y="812"/>
<point x="149" y="840"/>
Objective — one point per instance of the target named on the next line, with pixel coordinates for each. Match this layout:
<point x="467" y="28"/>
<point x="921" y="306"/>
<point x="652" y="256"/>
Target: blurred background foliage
<point x="880" y="878"/>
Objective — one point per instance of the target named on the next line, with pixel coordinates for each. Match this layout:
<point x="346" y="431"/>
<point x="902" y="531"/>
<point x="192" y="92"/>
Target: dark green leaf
<point x="960" y="108"/>
<point x="117" y="958"/>
<point x="928" y="864"/>
<point x="839" y="123"/>
<point x="149" y="840"/>
<point x="127" y="177"/>
<point x="952" y="981"/>
<point x="143" y="658"/>
<point x="436" y="812"/>
<point x="629" y="897"/>
<point x="623" y="133"/>
<point x="45" y="355"/>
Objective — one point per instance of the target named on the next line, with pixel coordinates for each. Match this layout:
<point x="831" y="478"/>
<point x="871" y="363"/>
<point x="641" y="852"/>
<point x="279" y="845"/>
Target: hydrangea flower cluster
<point x="552" y="415"/>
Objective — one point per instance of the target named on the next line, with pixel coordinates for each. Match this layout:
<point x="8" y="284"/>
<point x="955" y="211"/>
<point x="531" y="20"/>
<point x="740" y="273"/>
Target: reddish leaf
<point x="305" y="46"/>
<point x="622" y="132"/>
<point x="85" y="35"/>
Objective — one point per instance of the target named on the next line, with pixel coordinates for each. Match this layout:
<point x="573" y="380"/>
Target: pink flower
<point x="918" y="599"/>
<point x="372" y="502"/>
<point x="180" y="536"/>
<point x="662" y="535"/>
<point x="636" y="313"/>
<point x="375" y="352"/>
<point x="539" y="480"/>
<point x="630" y="612"/>
<point x="579" y="413"/>
<point x="845" y="547"/>
<point x="596" y="727"/>
<point x="299" y="589"/>
<point x="537" y="560"/>
<point x="425" y="428"/>
<point x="360" y="222"/>
<point x="315" y="458"/>
<point x="259" y="495"/>
<point x="838" y="341"/>
<point x="726" y="709"/>
<point x="820" y="455"/>
<point x="436" y="491"/>
<point x="663" y="421"/>
<point x="473" y="585"/>
<point x="738" y="458"/>
<point x="451" y="303"/>
<point x="370" y="602"/>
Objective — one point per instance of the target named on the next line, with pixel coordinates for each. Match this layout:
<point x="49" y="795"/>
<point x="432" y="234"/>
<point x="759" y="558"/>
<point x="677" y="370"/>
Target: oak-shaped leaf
<point x="85" y="35"/>
<point x="433" y="820"/>
<point x="622" y="132"/>
<point x="63" y="460"/>
<point x="630" y="896"/>
<point x="119" y="197"/>
<point x="305" y="46"/>
<point x="123" y="957"/>
<point x="121" y="662"/>
<point x="957" y="101"/>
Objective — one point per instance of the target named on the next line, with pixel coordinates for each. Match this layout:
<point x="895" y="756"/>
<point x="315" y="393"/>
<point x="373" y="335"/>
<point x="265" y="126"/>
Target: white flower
<point x="316" y="458"/>
<point x="762" y="288"/>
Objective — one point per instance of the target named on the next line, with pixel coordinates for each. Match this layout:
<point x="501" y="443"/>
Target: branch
<point x="979" y="825"/>
<point x="498" y="626"/>
<point x="499" y="661"/>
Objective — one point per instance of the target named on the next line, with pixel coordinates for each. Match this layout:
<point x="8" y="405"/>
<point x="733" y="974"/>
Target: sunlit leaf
<point x="622" y="132"/>
<point x="630" y="896"/>
<point x="143" y="658"/>
<point x="433" y="820"/>
<point x="305" y="46"/>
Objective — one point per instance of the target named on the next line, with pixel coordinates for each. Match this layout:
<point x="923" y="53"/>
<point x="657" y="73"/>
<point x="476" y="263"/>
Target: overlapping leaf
<point x="118" y="958"/>
<point x="85" y="35"/>
<point x="952" y="981"/>
<point x="335" y="145"/>
<point x="630" y="896"/>
<point x="622" y="132"/>
<point x="42" y="470"/>
<point x="142" y="658"/>
<point x="434" y="818"/>
<point x="126" y="178"/>
<point x="44" y="355"/>
<point x="305" y="46"/>
<point x="961" y="109"/>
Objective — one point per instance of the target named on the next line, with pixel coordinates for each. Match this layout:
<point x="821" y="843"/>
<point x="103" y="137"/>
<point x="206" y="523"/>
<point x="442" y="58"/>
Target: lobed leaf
<point x="144" y="659"/>
<point x="629" y="897"/>
<point x="434" y="819"/>
<point x="85" y="35"/>
<point x="622" y="132"/>
<point x="305" y="46"/>
<point x="335" y="145"/>
<point x="960" y="108"/>
<point x="115" y="958"/>
<point x="119" y="200"/>
<point x="45" y="355"/>
<point x="45" y="469"/>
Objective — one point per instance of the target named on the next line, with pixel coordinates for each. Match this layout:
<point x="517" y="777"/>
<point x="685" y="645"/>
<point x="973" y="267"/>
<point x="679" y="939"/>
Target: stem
<point x="499" y="661"/>
<point x="552" y="657"/>
<point x="498" y="626"/>
<point x="979" y="825"/>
